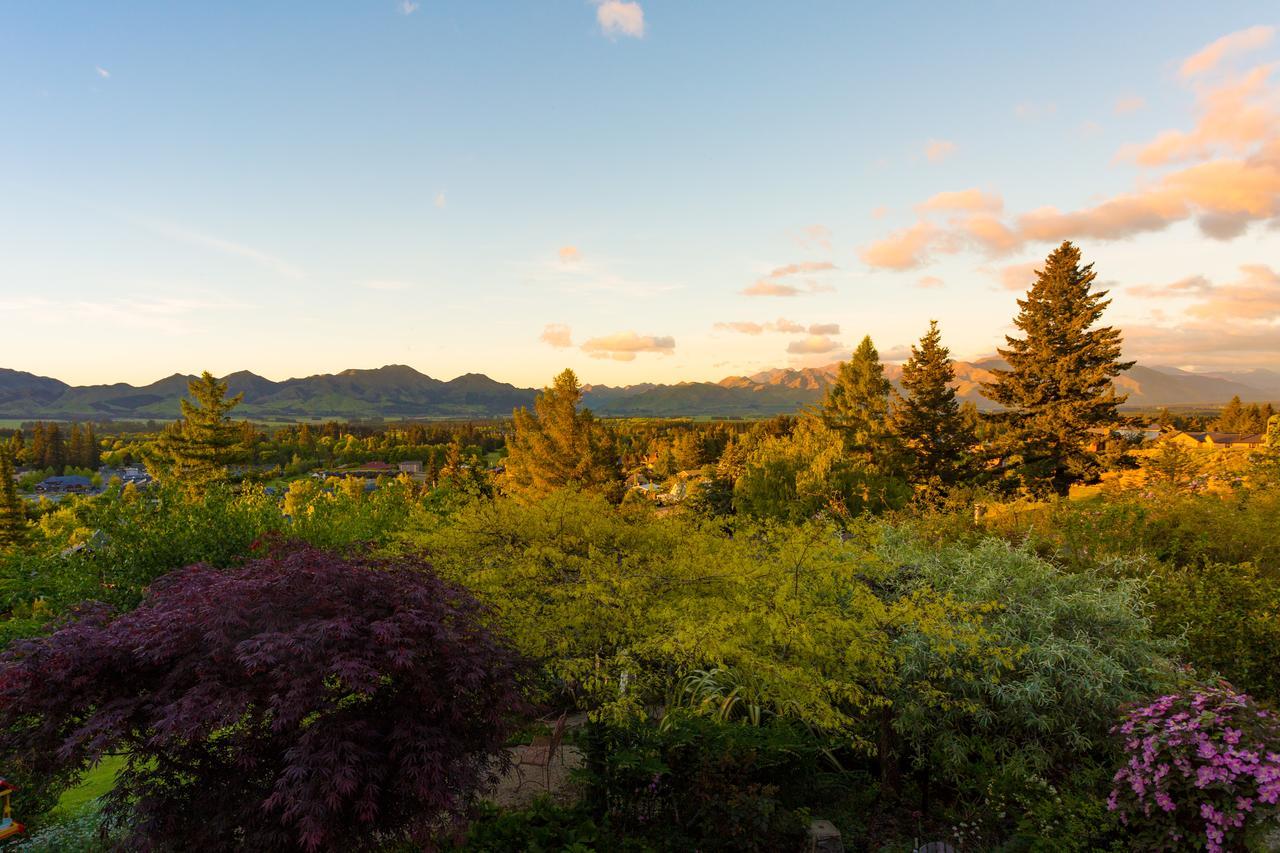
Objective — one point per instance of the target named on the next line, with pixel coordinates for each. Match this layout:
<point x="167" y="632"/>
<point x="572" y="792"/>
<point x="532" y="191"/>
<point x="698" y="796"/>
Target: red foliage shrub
<point x="302" y="701"/>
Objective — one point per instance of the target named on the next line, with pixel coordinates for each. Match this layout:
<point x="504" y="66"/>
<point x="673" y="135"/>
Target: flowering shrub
<point x="1202" y="769"/>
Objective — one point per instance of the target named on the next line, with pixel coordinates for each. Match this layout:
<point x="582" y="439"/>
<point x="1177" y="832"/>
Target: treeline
<point x="868" y="447"/>
<point x="49" y="447"/>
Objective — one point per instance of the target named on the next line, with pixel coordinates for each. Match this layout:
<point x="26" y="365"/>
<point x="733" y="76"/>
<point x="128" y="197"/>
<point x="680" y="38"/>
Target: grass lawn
<point x="93" y="784"/>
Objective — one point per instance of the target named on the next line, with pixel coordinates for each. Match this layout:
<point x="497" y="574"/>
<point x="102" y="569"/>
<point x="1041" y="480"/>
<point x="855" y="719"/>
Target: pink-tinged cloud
<point x="1019" y="276"/>
<point x="1234" y="116"/>
<point x="802" y="267"/>
<point x="569" y="255"/>
<point x="817" y="235"/>
<point x="617" y="17"/>
<point x="1129" y="104"/>
<point x="781" y="324"/>
<point x="880" y="212"/>
<point x="972" y="200"/>
<point x="764" y="287"/>
<point x="1255" y="297"/>
<point x="624" y="346"/>
<point x="1243" y="41"/>
<point x="937" y="150"/>
<point x="813" y="345"/>
<point x="929" y="282"/>
<point x="904" y="249"/>
<point x="1182" y="288"/>
<point x="557" y="335"/>
<point x="822" y="329"/>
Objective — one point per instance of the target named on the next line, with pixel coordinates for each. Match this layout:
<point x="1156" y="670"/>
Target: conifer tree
<point x="17" y="446"/>
<point x="92" y="452"/>
<point x="13" y="515"/>
<point x="39" y="452"/>
<point x="55" y="449"/>
<point x="75" y="446"/>
<point x="1233" y="417"/>
<point x="934" y="434"/>
<point x="196" y="450"/>
<point x="857" y="405"/>
<point x="1059" y="381"/>
<point x="556" y="445"/>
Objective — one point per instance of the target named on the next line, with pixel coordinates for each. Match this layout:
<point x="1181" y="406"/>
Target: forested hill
<point x="397" y="391"/>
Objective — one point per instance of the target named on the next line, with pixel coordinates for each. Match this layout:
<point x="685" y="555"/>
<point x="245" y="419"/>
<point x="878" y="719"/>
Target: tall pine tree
<point x="1059" y="381"/>
<point x="13" y="514"/>
<point x="936" y="439"/>
<point x="857" y="406"/>
<point x="557" y="445"/>
<point x="196" y="450"/>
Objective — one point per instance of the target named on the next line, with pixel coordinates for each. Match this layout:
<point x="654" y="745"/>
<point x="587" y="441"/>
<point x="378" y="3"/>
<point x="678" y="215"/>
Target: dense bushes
<point x="297" y="702"/>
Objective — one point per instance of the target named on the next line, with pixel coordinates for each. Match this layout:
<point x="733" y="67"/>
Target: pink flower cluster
<point x="1208" y="762"/>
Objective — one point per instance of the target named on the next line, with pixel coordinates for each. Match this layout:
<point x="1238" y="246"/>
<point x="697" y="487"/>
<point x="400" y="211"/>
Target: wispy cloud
<point x="164" y="315"/>
<point x="928" y="282"/>
<point x="1234" y="44"/>
<point x="407" y="7"/>
<point x="570" y="255"/>
<point x="1129" y="104"/>
<point x="183" y="234"/>
<point x="440" y="200"/>
<point x="772" y="283"/>
<point x="386" y="284"/>
<point x="618" y="17"/>
<point x="102" y="72"/>
<point x="939" y="149"/>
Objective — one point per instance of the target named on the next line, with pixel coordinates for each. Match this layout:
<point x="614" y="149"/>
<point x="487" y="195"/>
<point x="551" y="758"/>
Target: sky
<point x="648" y="191"/>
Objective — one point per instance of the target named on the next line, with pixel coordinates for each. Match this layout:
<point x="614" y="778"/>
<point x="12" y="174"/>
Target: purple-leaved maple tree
<point x="302" y="701"/>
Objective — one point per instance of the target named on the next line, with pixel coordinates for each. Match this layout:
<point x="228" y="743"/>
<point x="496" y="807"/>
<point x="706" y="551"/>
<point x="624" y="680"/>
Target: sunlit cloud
<point x="440" y="200"/>
<point x="170" y="316"/>
<point x="557" y="335"/>
<point x="770" y="284"/>
<point x="1019" y="276"/>
<point x="624" y="346"/>
<point x="1236" y="139"/>
<point x="937" y="150"/>
<point x="1243" y="41"/>
<point x="569" y="254"/>
<point x="824" y="329"/>
<point x="407" y="7"/>
<point x="813" y="345"/>
<point x="781" y="325"/>
<point x="972" y="200"/>
<point x="815" y="235"/>
<point x="928" y="282"/>
<point x="101" y="72"/>
<point x="618" y="17"/>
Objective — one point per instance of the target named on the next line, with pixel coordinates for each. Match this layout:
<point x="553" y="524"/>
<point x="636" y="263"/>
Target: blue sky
<point x="511" y="188"/>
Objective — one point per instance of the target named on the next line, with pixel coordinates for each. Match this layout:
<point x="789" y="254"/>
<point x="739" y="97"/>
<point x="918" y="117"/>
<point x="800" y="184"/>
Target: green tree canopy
<point x="1059" y="381"/>
<point x="13" y="515"/>
<point x="196" y="450"/>
<point x="936" y="438"/>
<point x="557" y="445"/>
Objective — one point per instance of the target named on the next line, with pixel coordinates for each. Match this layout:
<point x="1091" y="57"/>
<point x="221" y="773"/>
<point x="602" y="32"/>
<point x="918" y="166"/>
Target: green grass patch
<point x="93" y="784"/>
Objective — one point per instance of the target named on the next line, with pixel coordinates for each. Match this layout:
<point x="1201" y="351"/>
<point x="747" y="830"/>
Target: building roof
<point x="67" y="480"/>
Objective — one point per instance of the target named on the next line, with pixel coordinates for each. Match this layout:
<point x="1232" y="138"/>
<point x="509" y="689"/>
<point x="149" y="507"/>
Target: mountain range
<point x="397" y="391"/>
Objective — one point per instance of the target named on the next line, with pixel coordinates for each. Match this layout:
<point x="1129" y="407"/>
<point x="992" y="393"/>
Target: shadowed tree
<point x="13" y="515"/>
<point x="1059" y="381"/>
<point x="936" y="438"/>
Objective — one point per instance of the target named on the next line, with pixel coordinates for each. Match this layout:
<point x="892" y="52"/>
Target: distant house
<point x="411" y="467"/>
<point x="70" y="484"/>
<point x="1234" y="440"/>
